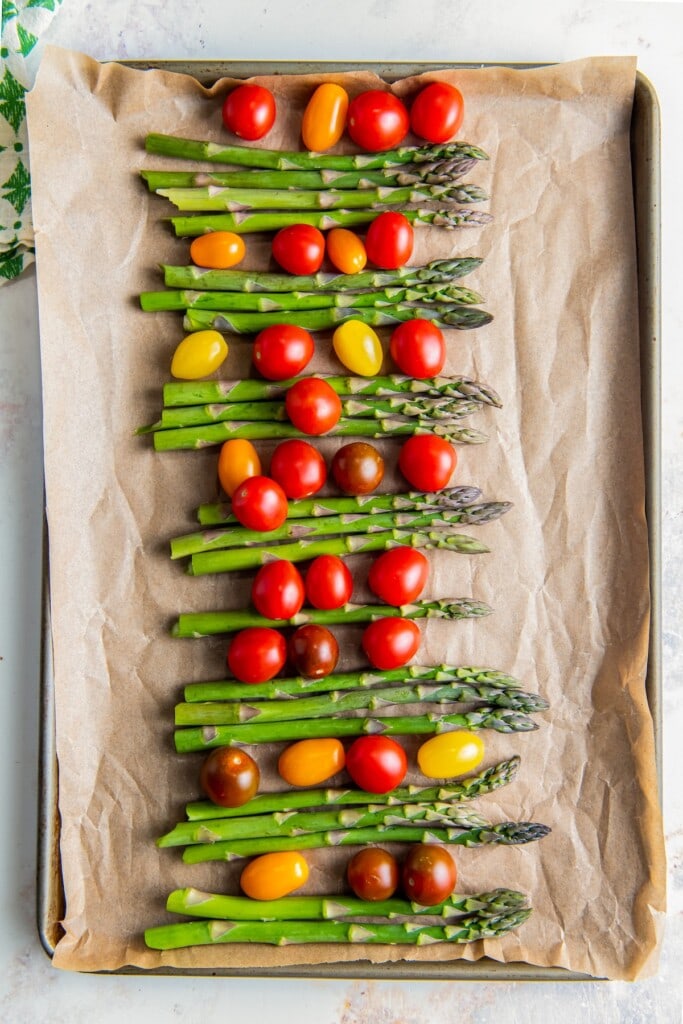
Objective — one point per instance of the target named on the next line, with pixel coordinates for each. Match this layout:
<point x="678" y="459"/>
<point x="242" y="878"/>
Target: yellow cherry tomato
<point x="217" y="250"/>
<point x="346" y="251"/>
<point x="450" y="754"/>
<point x="238" y="460"/>
<point x="310" y="762"/>
<point x="274" y="875"/>
<point x="198" y="355"/>
<point x="358" y="348"/>
<point x="324" y="117"/>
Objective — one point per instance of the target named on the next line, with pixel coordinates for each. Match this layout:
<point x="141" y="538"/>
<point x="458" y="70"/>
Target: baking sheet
<point x="478" y="354"/>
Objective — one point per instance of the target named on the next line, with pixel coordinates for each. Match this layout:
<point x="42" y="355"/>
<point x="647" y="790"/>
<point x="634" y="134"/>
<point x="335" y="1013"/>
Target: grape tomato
<point x="399" y="576"/>
<point x="281" y="351"/>
<point x="249" y="111"/>
<point x="428" y="874"/>
<point x="313" y="651"/>
<point x="437" y="112"/>
<point x="299" y="249"/>
<point x="274" y="875"/>
<point x="310" y="762"/>
<point x="389" y="241"/>
<point x="230" y="777"/>
<point x="345" y="251"/>
<point x="328" y="583"/>
<point x="377" y="120"/>
<point x="217" y="250"/>
<point x="324" y="117"/>
<point x="450" y="754"/>
<point x="391" y="642"/>
<point x="259" y="503"/>
<point x="298" y="467"/>
<point x="257" y="654"/>
<point x="313" y="406"/>
<point x="418" y="348"/>
<point x="373" y="874"/>
<point x="198" y="355"/>
<point x="278" y="590"/>
<point x="376" y="763"/>
<point x="238" y="460"/>
<point x="358" y="348"/>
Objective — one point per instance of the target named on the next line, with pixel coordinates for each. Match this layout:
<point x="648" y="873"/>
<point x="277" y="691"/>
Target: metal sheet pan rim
<point x="645" y="147"/>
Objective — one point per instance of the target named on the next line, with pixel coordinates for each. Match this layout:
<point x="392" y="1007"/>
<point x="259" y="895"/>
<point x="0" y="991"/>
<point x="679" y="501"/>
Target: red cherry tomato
<point x="373" y="874"/>
<point x="391" y="642"/>
<point x="313" y="651"/>
<point x="249" y="111"/>
<point x="257" y="654"/>
<point x="282" y="351"/>
<point x="298" y="467"/>
<point x="376" y="763"/>
<point x="377" y="120"/>
<point x="398" y="576"/>
<point x="429" y="874"/>
<point x="438" y="112"/>
<point x="427" y="462"/>
<point x="329" y="583"/>
<point x="299" y="249"/>
<point x="278" y="590"/>
<point x="229" y="777"/>
<point x="389" y="241"/>
<point x="259" y="503"/>
<point x="312" y="406"/>
<point x="418" y="348"/>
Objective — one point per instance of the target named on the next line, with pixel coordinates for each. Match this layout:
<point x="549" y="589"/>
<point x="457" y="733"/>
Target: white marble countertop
<point x="30" y="989"/>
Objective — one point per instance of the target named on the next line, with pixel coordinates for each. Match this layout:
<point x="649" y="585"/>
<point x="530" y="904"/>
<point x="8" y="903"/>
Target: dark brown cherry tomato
<point x="377" y="120"/>
<point x="428" y="874"/>
<point x="399" y="576"/>
<point x="229" y="777"/>
<point x="418" y="348"/>
<point x="329" y="583"/>
<point x="313" y="406"/>
<point x="438" y="112"/>
<point x="376" y="763"/>
<point x="373" y="874"/>
<point x="391" y="642"/>
<point x="389" y="241"/>
<point x="427" y="462"/>
<point x="281" y="351"/>
<point x="313" y="651"/>
<point x="357" y="468"/>
<point x="259" y="503"/>
<point x="298" y="467"/>
<point x="249" y="111"/>
<point x="257" y="654"/>
<point x="278" y="590"/>
<point x="299" y="249"/>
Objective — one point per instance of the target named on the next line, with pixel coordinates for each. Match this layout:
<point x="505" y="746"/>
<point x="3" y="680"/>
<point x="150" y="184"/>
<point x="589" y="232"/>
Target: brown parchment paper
<point x="568" y="570"/>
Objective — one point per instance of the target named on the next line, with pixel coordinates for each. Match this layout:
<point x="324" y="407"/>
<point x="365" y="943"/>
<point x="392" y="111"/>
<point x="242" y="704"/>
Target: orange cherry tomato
<point x="346" y="251"/>
<point x="324" y="117"/>
<point x="310" y="762"/>
<point x="237" y="462"/>
<point x="217" y="250"/>
<point x="274" y="875"/>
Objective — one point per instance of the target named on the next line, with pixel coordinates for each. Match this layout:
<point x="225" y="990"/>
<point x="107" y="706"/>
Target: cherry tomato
<point x="399" y="576"/>
<point x="229" y="777"/>
<point x="217" y="250"/>
<point x="282" y="351"/>
<point x="357" y="346"/>
<point x="418" y="348"/>
<point x="238" y="460"/>
<point x="313" y="651"/>
<point x="259" y="503"/>
<point x="427" y="462"/>
<point x="373" y="874"/>
<point x="389" y="241"/>
<point x="376" y="763"/>
<point x="257" y="654"/>
<point x="329" y="583"/>
<point x="249" y="111"/>
<point x="274" y="875"/>
<point x="428" y="874"/>
<point x="391" y="642"/>
<point x="278" y="590"/>
<point x="324" y="117"/>
<point x="312" y="406"/>
<point x="377" y="120"/>
<point x="346" y="251"/>
<point x="450" y="754"/>
<point x="357" y="468"/>
<point x="310" y="762"/>
<point x="299" y="249"/>
<point x="198" y="355"/>
<point x="298" y="467"/>
<point x="437" y="112"/>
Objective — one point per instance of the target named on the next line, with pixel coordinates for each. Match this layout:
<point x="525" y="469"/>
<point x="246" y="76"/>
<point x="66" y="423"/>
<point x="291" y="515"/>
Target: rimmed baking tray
<point x="645" y="150"/>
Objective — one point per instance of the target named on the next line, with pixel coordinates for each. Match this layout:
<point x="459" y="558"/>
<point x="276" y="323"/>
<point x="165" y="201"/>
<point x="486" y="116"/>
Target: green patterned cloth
<point x="22" y="23"/>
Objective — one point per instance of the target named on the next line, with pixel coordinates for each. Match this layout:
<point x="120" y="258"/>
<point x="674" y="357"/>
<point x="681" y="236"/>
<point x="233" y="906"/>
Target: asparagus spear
<point x="232" y="559"/>
<point x="273" y="220"/>
<point x="303" y="823"/>
<point x="196" y="624"/>
<point x="205" y="392"/>
<point x="268" y="430"/>
<point x="483" y="681"/>
<point x="387" y="177"/>
<point x="437" y="272"/>
<point x="486" y="781"/>
<point x="269" y="302"/>
<point x="195" y="903"/>
<point x="198" y="933"/>
<point x="509" y="833"/>
<point x="192" y="740"/>
<point x="214" y="197"/>
<point x="247" y="156"/>
<point x="462" y="498"/>
<point x="460" y="318"/>
<point x="322" y="526"/>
